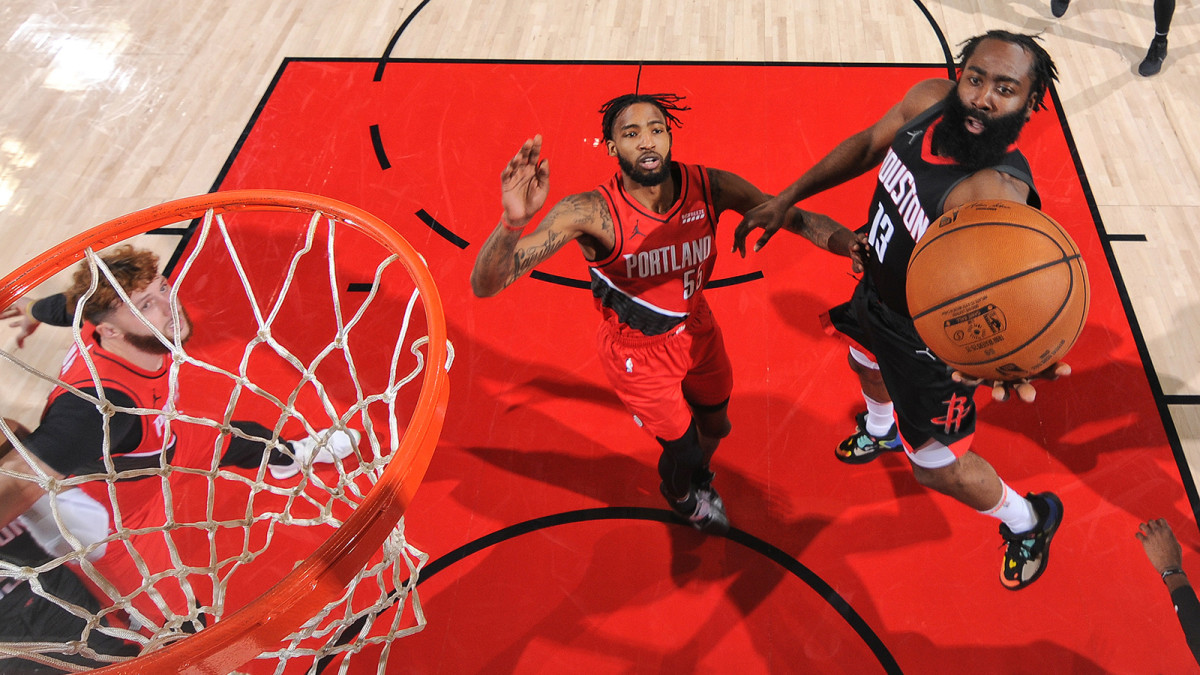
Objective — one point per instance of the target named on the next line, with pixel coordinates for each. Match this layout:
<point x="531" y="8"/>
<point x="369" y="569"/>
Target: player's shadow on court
<point x="1095" y="435"/>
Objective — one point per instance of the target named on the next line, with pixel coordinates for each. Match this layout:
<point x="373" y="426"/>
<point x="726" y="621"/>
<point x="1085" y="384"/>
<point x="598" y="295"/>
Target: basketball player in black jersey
<point x="944" y="144"/>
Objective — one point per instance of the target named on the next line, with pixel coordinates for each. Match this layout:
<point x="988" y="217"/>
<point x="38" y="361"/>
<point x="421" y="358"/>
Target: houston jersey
<point x="147" y="389"/>
<point x="910" y="194"/>
<point x="659" y="264"/>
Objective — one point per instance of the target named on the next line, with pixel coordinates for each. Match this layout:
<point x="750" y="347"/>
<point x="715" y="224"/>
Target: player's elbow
<point x="484" y="287"/>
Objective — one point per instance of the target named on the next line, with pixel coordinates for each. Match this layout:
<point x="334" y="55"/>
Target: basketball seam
<point x="1003" y="280"/>
<point x="1057" y="313"/>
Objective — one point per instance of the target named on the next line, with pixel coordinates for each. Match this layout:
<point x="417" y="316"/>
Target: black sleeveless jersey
<point x="911" y="193"/>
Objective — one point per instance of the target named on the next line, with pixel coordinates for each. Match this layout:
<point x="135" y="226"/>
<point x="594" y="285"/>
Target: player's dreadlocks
<point x="664" y="102"/>
<point x="1043" y="70"/>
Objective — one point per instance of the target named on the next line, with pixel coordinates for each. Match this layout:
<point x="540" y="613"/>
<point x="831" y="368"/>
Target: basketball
<point x="997" y="289"/>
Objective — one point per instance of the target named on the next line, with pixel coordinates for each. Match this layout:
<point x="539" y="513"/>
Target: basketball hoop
<point x="316" y="600"/>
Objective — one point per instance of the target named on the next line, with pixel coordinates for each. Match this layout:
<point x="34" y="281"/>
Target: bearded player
<point x="647" y="236"/>
<point x="944" y="144"/>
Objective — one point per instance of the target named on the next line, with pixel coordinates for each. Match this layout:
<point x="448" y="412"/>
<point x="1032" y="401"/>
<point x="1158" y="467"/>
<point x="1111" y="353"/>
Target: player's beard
<point x="151" y="345"/>
<point x="975" y="151"/>
<point x="643" y="177"/>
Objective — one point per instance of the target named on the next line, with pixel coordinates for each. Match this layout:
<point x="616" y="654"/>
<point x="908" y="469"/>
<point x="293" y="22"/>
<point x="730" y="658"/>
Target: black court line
<point x="1182" y="399"/>
<point x="383" y="60"/>
<point x="581" y="283"/>
<point x="442" y="231"/>
<point x="380" y="153"/>
<point x="359" y="287"/>
<point x="751" y="542"/>
<point x="561" y="281"/>
<point x="941" y="37"/>
<point x="1125" y="237"/>
<point x="734" y="281"/>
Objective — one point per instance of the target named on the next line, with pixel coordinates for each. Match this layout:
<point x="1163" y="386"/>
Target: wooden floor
<point x="113" y="105"/>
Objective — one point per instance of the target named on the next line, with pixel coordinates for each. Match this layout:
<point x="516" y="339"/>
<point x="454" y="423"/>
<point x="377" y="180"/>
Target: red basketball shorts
<point x="660" y="377"/>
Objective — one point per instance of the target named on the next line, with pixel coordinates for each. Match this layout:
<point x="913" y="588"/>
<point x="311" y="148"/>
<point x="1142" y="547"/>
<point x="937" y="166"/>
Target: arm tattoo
<point x="523" y="261"/>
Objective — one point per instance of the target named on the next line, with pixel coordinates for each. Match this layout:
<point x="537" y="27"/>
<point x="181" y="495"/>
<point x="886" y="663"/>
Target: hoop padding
<point x="324" y="576"/>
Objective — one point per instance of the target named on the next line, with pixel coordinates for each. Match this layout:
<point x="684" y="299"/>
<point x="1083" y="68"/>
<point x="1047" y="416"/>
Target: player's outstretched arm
<point x="735" y="193"/>
<point x="525" y="182"/>
<point x="849" y="159"/>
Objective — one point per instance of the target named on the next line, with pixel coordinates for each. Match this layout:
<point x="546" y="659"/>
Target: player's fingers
<point x="762" y="241"/>
<point x="999" y="392"/>
<point x="963" y="378"/>
<point x="1025" y="391"/>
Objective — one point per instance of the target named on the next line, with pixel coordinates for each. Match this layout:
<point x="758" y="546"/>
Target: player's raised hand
<point x="1003" y="390"/>
<point x="525" y="183"/>
<point x="25" y="322"/>
<point x="769" y="216"/>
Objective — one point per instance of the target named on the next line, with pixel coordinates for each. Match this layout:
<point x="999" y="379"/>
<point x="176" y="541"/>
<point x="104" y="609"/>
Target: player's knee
<point x="944" y="479"/>
<point x="713" y="421"/>
<point x="715" y="427"/>
<point x="866" y="374"/>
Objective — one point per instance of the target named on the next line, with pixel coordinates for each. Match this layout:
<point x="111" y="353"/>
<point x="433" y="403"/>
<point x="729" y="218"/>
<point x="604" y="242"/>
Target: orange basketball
<point x="997" y="289"/>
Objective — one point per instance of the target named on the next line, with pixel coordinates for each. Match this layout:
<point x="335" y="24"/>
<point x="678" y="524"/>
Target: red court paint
<point x="534" y="431"/>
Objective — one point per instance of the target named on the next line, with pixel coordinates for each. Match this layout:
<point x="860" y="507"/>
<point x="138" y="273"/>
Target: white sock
<point x="1014" y="510"/>
<point x="879" y="416"/>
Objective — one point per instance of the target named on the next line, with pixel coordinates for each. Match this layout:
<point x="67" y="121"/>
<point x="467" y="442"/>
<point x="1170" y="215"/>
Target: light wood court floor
<point x="114" y="105"/>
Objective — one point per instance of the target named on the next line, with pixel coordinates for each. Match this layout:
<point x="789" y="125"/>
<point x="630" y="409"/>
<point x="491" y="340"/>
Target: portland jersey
<point x="652" y="279"/>
<point x="910" y="194"/>
<point x="147" y="389"/>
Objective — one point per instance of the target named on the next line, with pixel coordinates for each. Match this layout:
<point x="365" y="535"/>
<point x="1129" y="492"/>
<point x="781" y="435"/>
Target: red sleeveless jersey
<point x="659" y="264"/>
<point x="147" y="389"/>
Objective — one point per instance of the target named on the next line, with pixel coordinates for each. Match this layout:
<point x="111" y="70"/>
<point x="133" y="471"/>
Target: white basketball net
<point x="323" y="393"/>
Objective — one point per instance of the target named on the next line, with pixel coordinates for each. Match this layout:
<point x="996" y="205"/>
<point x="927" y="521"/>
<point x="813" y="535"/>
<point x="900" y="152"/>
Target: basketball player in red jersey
<point x="647" y="235"/>
<point x="134" y="367"/>
<point x="944" y="144"/>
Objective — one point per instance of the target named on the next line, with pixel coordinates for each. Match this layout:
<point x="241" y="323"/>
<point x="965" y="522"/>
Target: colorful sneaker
<point x="862" y="447"/>
<point x="708" y="514"/>
<point x="1029" y="552"/>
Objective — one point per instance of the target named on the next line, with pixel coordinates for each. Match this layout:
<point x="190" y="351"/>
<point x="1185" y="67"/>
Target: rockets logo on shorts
<point x="957" y="409"/>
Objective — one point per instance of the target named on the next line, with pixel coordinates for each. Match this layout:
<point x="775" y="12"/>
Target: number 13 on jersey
<point x="881" y="232"/>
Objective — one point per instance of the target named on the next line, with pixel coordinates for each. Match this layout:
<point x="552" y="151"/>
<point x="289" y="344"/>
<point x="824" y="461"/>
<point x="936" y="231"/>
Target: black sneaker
<point x="708" y="514"/>
<point x="861" y="447"/>
<point x="1059" y="7"/>
<point x="1154" y="57"/>
<point x="1029" y="552"/>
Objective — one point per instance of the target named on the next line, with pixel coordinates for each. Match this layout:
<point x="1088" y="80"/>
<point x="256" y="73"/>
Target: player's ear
<point x="612" y="148"/>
